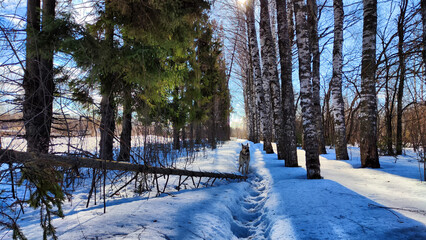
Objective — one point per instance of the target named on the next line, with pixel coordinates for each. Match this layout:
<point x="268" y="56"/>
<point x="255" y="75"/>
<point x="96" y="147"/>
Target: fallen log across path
<point x="11" y="156"/>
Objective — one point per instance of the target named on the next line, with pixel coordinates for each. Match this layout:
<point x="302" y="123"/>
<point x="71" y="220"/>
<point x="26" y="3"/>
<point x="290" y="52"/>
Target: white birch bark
<point x="262" y="90"/>
<point x="270" y="74"/>
<point x="336" y="83"/>
<point x="314" y="44"/>
<point x="245" y="81"/>
<point x="250" y="113"/>
<point x="243" y="47"/>
<point x="253" y="108"/>
<point x="309" y="129"/>
<point x="368" y="112"/>
<point x="284" y="44"/>
<point x="290" y="21"/>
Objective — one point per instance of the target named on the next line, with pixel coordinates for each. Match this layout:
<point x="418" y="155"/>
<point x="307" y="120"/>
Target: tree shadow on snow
<point x="324" y="209"/>
<point x="404" y="166"/>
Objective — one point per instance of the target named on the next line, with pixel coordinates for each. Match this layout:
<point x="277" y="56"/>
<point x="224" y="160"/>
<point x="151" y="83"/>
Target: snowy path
<point x="250" y="222"/>
<point x="274" y="203"/>
<point x="332" y="208"/>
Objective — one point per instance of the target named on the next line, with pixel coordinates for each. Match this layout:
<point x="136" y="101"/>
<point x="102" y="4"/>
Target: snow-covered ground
<point x="274" y="203"/>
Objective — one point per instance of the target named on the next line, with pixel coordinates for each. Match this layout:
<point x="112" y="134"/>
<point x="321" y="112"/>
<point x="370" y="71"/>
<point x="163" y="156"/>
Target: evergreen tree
<point x="126" y="123"/>
<point x="107" y="80"/>
<point x="214" y="85"/>
<point x="38" y="83"/>
<point x="38" y="77"/>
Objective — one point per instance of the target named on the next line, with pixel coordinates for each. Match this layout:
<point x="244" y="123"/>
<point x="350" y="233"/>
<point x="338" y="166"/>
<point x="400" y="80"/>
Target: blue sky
<point x="224" y="16"/>
<point x="388" y="11"/>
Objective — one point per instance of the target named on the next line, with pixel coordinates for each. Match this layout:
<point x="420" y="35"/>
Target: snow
<point x="274" y="203"/>
<point x="396" y="184"/>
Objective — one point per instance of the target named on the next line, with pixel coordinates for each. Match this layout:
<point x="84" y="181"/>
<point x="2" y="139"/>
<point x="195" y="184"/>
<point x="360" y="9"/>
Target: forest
<point x="103" y="101"/>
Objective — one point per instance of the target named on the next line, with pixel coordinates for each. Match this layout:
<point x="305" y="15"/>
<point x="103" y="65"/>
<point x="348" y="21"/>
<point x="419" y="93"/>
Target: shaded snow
<point x="275" y="203"/>
<point x="396" y="184"/>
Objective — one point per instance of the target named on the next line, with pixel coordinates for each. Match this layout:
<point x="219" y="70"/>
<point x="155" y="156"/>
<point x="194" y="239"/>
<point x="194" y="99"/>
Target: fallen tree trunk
<point x="11" y="156"/>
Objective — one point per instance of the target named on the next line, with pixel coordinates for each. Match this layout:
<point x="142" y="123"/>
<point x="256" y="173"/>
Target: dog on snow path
<point x="244" y="159"/>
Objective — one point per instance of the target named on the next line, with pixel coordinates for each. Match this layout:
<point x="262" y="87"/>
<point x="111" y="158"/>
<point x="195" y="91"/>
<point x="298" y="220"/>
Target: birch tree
<point x="309" y="129"/>
<point x="270" y="74"/>
<point x="368" y="111"/>
<point x="314" y="46"/>
<point x="336" y="83"/>
<point x="284" y="44"/>
<point x="251" y="105"/>
<point x="262" y="89"/>
<point x="243" y="50"/>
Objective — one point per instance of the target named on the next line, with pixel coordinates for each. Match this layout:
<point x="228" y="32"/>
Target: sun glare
<point x="242" y="2"/>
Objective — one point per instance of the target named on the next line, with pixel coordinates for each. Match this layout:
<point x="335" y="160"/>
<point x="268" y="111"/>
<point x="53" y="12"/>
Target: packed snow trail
<point x="274" y="203"/>
<point x="250" y="220"/>
<point x="298" y="208"/>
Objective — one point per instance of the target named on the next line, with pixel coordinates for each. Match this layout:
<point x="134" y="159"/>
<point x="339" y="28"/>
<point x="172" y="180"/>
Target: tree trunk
<point x="401" y="56"/>
<point x="176" y="142"/>
<point x="248" y="104"/>
<point x="350" y="122"/>
<point x="368" y="112"/>
<point x="329" y="136"/>
<point x="251" y="96"/>
<point x="338" y="104"/>
<point x="126" y="131"/>
<point x="314" y="44"/>
<point x="212" y="130"/>
<point x="184" y="140"/>
<point x="389" y="103"/>
<point x="252" y="106"/>
<point x="198" y="129"/>
<point x="289" y="121"/>
<point x="46" y="67"/>
<point x="423" y="13"/>
<point x="38" y="77"/>
<point x="270" y="75"/>
<point x="262" y="89"/>
<point x="257" y="118"/>
<point x="191" y="136"/>
<point x="11" y="156"/>
<point x="290" y="21"/>
<point x="32" y="81"/>
<point x="225" y="109"/>
<point x="107" y="126"/>
<point x="309" y="129"/>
